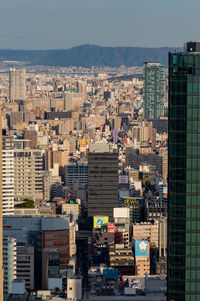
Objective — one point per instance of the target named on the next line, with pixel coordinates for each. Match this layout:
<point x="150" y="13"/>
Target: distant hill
<point x="89" y="55"/>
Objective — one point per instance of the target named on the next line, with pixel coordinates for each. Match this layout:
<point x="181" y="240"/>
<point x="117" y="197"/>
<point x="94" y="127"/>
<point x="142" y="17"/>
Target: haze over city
<point x="61" y="24"/>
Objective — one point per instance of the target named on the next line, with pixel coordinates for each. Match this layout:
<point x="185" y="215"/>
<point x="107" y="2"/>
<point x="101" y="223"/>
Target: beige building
<point x="147" y="231"/>
<point x="70" y="208"/>
<point x="145" y="132"/>
<point x="28" y="174"/>
<point x="142" y="267"/>
<point x="17" y="84"/>
<point x="73" y="101"/>
<point x="163" y="237"/>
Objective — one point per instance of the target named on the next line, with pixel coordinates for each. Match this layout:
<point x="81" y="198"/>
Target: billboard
<point x="132" y="201"/>
<point x="99" y="221"/>
<point x="121" y="212"/>
<point x="141" y="248"/>
<point x="110" y="273"/>
<point x="110" y="227"/>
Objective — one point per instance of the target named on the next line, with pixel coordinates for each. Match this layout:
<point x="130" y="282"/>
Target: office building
<point x="76" y="173"/>
<point x="41" y="233"/>
<point x="25" y="265"/>
<point x="8" y="185"/>
<point x="17" y="84"/>
<point x="153" y="90"/>
<point x="184" y="174"/>
<point x="102" y="180"/>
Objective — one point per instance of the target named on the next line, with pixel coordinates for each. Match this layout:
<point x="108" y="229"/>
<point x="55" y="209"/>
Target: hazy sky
<point x="55" y="24"/>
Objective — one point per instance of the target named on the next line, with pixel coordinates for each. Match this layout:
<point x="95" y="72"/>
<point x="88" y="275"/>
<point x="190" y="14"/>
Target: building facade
<point x="9" y="263"/>
<point x="17" y="84"/>
<point x="8" y="184"/>
<point x="28" y="174"/>
<point x="184" y="175"/>
<point x="153" y="90"/>
<point x="102" y="180"/>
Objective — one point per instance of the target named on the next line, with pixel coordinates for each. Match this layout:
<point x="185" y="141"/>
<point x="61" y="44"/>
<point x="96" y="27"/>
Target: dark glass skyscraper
<point x="184" y="175"/>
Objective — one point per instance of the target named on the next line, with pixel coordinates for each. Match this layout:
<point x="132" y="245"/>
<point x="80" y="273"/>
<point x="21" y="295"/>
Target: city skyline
<point x="113" y="23"/>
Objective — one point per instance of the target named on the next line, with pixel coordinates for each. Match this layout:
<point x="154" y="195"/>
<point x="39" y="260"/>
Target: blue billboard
<point x="110" y="273"/>
<point x="141" y="248"/>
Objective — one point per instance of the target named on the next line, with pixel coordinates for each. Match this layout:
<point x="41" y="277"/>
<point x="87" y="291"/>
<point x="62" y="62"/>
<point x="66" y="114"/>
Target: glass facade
<point x="184" y="177"/>
<point x="153" y="90"/>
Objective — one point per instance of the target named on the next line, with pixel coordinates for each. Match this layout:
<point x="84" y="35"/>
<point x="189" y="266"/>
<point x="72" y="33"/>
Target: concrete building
<point x="17" y="84"/>
<point x="122" y="258"/>
<point x="25" y="265"/>
<point x="163" y="237"/>
<point x="135" y="159"/>
<point x="73" y="101"/>
<point x="153" y="90"/>
<point x="145" y="132"/>
<point x="76" y="172"/>
<point x="147" y="231"/>
<point x="49" y="232"/>
<point x="1" y="221"/>
<point x="9" y="263"/>
<point x="28" y="174"/>
<point x="8" y="172"/>
<point x="102" y="180"/>
<point x="74" y="288"/>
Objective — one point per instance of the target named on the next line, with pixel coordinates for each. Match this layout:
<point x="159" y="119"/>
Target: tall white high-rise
<point x="8" y="184"/>
<point x="17" y="84"/>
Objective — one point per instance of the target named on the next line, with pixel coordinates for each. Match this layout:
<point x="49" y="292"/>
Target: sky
<point x="62" y="24"/>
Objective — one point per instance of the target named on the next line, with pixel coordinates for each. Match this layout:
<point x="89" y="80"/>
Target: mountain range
<point x="88" y="56"/>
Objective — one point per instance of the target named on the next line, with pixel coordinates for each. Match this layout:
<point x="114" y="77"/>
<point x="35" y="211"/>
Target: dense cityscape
<point x="93" y="208"/>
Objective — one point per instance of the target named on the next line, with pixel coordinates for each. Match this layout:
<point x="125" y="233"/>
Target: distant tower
<point x="17" y="84"/>
<point x="153" y="90"/>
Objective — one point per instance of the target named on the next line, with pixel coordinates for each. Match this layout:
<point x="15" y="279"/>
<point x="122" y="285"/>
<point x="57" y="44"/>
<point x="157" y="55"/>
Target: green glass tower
<point x="184" y="175"/>
<point x="153" y="90"/>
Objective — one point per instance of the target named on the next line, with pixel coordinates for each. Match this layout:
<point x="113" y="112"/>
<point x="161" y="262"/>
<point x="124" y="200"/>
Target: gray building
<point x="102" y="180"/>
<point x="76" y="173"/>
<point x="25" y="265"/>
<point x="153" y="90"/>
<point x="33" y="231"/>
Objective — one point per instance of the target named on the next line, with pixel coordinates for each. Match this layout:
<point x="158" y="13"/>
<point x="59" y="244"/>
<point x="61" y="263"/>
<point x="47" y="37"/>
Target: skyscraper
<point x="184" y="175"/>
<point x="153" y="90"/>
<point x="8" y="172"/>
<point x="17" y="84"/>
<point x="1" y="221"/>
<point x="102" y="180"/>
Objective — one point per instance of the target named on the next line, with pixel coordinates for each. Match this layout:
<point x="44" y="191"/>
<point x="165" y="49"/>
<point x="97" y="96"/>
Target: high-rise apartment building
<point x="17" y="84"/>
<point x="102" y="180"/>
<point x="153" y="90"/>
<point x="28" y="174"/>
<point x="184" y="175"/>
<point x="8" y="171"/>
<point x="1" y="221"/>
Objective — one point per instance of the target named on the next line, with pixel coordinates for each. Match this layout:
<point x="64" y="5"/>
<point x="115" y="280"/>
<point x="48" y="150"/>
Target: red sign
<point x="110" y="227"/>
